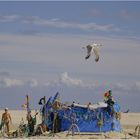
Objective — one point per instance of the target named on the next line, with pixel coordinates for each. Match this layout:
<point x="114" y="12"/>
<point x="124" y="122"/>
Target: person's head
<point x="106" y="94"/>
<point x="6" y="109"/>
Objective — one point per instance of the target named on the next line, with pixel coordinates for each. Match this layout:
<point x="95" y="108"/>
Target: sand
<point x="128" y="121"/>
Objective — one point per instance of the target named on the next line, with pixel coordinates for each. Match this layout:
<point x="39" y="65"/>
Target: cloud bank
<point x="8" y="81"/>
<point x="70" y="87"/>
<point x="65" y="80"/>
<point x="58" y="23"/>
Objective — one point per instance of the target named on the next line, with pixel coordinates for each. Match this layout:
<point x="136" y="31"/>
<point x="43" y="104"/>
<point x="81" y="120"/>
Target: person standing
<point x="6" y="119"/>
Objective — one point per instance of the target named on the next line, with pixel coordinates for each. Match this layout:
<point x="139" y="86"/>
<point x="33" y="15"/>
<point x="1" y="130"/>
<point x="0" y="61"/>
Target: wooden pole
<point x="44" y="109"/>
<point x="28" y="108"/>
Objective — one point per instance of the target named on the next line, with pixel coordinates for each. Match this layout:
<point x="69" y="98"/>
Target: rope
<point x="137" y="132"/>
<point x="73" y="125"/>
<point x="71" y="129"/>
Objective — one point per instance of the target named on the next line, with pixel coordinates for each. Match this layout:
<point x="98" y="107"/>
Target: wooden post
<point x="28" y="108"/>
<point x="44" y="109"/>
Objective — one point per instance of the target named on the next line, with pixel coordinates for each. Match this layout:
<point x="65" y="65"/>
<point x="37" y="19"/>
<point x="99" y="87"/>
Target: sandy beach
<point x="128" y="121"/>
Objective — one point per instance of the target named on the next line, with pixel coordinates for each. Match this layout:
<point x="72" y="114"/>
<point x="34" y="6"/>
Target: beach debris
<point x="126" y="111"/>
<point x="40" y="101"/>
<point x="137" y="132"/>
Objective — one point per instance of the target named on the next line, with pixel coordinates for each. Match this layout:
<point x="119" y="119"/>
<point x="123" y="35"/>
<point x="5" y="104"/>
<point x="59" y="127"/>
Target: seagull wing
<point x="89" y="49"/>
<point x="96" y="52"/>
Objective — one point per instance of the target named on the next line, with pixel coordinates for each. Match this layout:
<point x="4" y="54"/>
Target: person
<point x="6" y="119"/>
<point x="110" y="100"/>
<point x="31" y="123"/>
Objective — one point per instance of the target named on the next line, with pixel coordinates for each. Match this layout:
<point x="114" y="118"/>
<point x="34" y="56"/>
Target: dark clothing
<point x="57" y="125"/>
<point x="110" y="102"/>
<point x="56" y="122"/>
<point x="31" y="124"/>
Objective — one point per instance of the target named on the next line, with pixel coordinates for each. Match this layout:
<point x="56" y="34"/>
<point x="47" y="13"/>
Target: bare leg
<point x="8" y="127"/>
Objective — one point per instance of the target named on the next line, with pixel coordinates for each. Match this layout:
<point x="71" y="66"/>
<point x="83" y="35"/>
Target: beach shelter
<point x="98" y="117"/>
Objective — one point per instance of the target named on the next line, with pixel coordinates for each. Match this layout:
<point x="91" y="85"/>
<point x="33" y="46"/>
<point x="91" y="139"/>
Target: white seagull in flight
<point x="93" y="48"/>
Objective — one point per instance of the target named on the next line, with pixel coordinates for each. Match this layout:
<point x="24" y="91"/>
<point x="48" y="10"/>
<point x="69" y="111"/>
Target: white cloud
<point x="58" y="23"/>
<point x="63" y="24"/>
<point x="67" y="80"/>
<point x="7" y="82"/>
<point x="33" y="83"/>
<point x="121" y="87"/>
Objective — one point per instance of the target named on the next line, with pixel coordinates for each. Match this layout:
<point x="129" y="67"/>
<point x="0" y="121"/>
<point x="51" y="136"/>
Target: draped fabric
<point x="101" y="119"/>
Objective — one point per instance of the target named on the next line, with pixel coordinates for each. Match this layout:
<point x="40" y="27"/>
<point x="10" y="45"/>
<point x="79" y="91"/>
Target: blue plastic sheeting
<point x="87" y="120"/>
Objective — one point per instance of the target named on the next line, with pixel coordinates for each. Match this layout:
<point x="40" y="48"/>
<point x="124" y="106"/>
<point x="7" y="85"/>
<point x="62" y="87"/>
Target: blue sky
<point x="41" y="51"/>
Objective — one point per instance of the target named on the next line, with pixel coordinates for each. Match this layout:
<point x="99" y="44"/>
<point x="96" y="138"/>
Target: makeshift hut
<point x="99" y="117"/>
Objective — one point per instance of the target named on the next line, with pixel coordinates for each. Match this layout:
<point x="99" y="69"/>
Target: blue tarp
<point x="87" y="120"/>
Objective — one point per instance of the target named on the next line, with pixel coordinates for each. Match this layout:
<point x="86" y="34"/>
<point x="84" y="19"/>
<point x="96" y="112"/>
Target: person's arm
<point x="2" y="117"/>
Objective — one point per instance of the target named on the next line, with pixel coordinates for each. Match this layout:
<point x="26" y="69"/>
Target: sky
<point x="41" y="52"/>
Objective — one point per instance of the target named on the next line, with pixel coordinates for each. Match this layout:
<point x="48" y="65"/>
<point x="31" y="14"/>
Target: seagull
<point x="93" y="48"/>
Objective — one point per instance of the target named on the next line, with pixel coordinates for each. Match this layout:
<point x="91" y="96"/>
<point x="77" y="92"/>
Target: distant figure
<point x="93" y="48"/>
<point x="6" y="119"/>
<point x="108" y="98"/>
